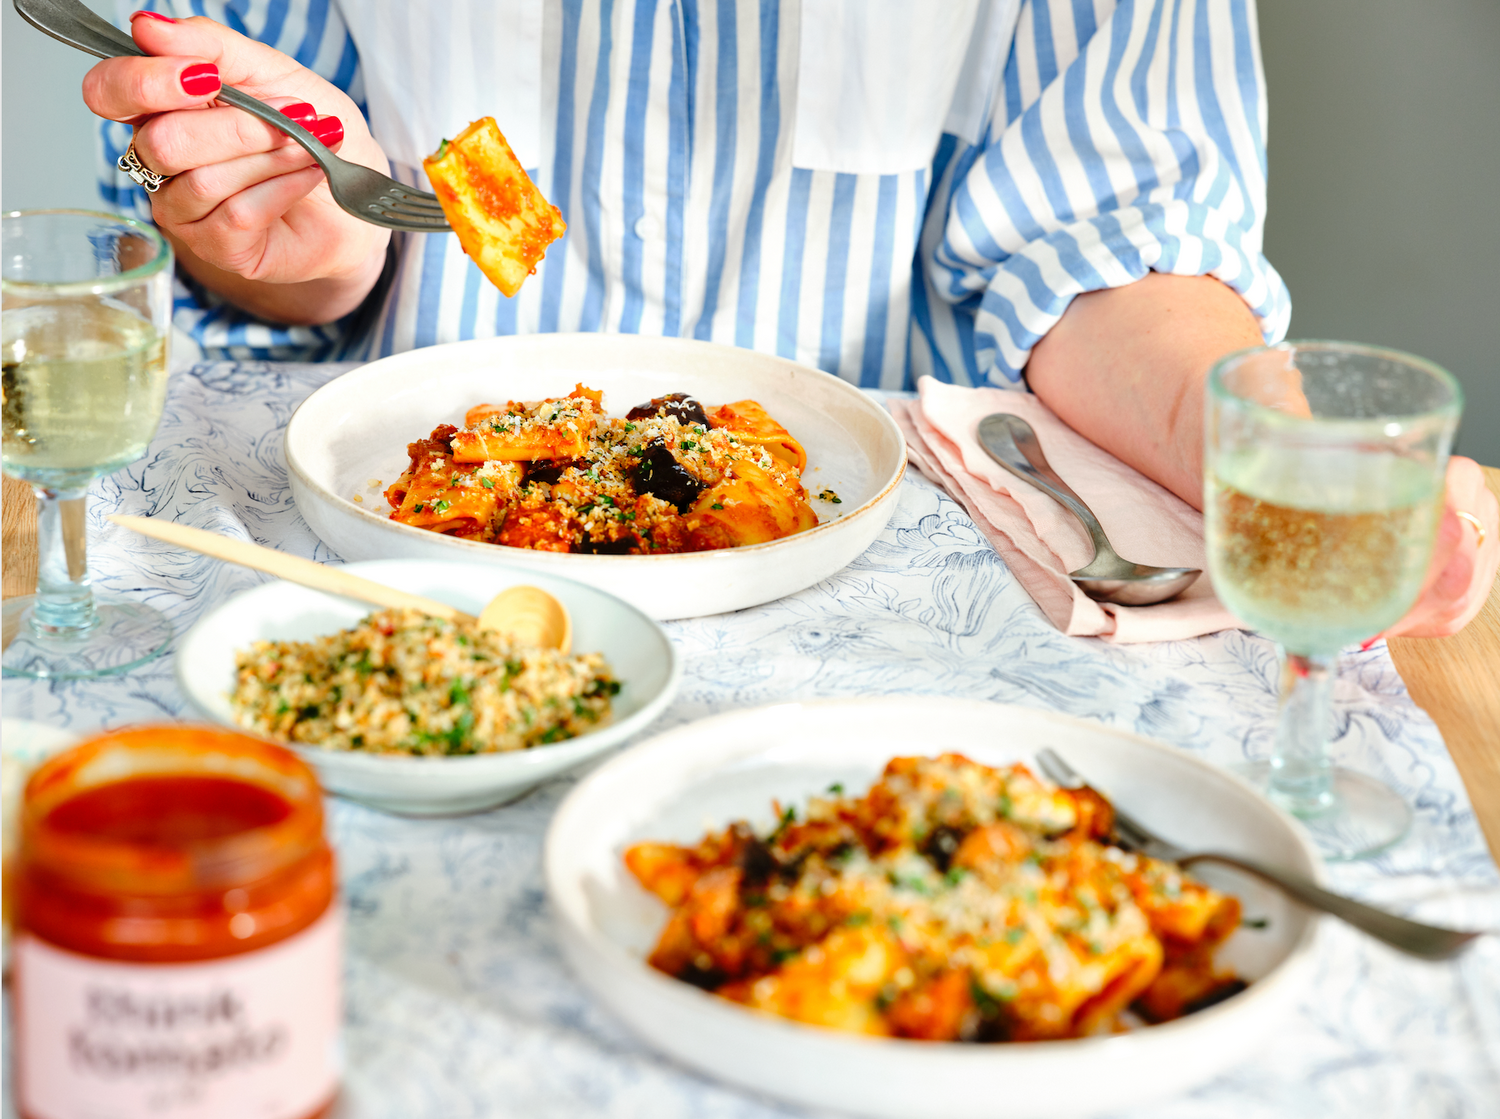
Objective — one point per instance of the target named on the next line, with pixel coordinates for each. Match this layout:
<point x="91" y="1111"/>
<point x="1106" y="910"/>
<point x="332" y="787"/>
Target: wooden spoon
<point x="528" y="615"/>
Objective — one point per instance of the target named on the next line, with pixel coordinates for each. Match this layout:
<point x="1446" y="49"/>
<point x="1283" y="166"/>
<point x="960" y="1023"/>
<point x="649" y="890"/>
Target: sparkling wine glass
<point x="87" y="305"/>
<point x="1323" y="487"/>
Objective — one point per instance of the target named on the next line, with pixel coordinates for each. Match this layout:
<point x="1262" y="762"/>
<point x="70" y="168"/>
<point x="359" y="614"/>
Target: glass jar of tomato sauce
<point x="177" y="948"/>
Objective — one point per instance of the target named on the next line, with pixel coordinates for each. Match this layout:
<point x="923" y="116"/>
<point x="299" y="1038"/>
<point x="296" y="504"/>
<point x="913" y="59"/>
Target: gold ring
<point x="1473" y="520"/>
<point x="131" y="164"/>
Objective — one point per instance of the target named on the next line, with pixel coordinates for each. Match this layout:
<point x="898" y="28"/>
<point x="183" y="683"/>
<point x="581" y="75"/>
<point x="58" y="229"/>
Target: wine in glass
<point x="87" y="304"/>
<point x="1324" y="465"/>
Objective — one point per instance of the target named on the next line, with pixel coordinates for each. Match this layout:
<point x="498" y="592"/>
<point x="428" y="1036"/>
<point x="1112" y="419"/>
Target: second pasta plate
<point x="702" y="776"/>
<point x="348" y="441"/>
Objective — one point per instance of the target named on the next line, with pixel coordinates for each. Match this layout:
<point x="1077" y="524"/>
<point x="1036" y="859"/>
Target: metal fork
<point x="1424" y="941"/>
<point x="362" y="192"/>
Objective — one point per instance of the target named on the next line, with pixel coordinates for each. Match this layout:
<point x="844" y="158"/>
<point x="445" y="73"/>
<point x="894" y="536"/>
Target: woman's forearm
<point x="1126" y="367"/>
<point x="309" y="303"/>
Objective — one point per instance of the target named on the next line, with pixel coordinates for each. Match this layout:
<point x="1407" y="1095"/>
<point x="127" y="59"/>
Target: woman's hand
<point x="1462" y="572"/>
<point x="247" y="209"/>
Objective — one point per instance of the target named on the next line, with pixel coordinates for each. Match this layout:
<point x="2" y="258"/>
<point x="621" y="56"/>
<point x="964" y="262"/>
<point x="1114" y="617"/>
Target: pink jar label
<point x="254" y="1036"/>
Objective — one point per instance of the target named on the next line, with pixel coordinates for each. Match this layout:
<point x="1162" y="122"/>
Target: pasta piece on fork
<point x="501" y="219"/>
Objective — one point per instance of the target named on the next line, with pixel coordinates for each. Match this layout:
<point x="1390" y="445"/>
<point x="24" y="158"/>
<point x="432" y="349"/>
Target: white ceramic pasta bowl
<point x="355" y="429"/>
<point x="708" y="773"/>
<point x="640" y="654"/>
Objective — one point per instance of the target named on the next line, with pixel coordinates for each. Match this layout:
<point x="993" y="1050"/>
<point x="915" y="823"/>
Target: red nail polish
<point x="200" y="79"/>
<point x="328" y="129"/>
<point x="1365" y="645"/>
<point x="151" y="15"/>
<point x="301" y="112"/>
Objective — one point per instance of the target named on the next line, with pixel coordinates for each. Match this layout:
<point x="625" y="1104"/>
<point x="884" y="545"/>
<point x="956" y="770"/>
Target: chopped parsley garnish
<point x="486" y="483"/>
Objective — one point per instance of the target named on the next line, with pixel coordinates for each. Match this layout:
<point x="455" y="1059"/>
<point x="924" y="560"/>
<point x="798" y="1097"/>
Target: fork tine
<point x="1058" y="770"/>
<point x="400" y="198"/>
<point x="402" y="215"/>
<point x="407" y="224"/>
<point x="1128" y="832"/>
<point x="412" y="194"/>
<point x="398" y="207"/>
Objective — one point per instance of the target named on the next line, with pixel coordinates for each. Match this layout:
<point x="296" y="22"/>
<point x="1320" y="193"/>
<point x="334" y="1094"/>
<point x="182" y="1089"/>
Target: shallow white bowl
<point x="356" y="428"/>
<point x="708" y="773"/>
<point x="640" y="654"/>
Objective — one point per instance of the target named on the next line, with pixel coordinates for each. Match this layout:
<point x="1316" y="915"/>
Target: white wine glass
<point x="84" y="326"/>
<point x="1324" y="466"/>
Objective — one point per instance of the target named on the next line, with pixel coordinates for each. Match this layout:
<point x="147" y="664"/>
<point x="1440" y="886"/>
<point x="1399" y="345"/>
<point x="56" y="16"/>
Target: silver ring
<point x="131" y="164"/>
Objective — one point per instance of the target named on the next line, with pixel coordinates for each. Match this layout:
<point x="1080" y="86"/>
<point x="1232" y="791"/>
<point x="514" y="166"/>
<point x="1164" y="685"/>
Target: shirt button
<point x="647" y="228"/>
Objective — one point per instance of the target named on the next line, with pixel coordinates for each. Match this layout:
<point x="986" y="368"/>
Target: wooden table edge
<point x="1456" y="680"/>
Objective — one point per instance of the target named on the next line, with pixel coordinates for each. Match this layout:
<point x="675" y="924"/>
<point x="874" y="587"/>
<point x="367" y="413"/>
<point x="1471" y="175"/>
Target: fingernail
<point x="301" y="112"/>
<point x="1365" y="645"/>
<point x="330" y="130"/>
<point x="200" y="79"/>
<point x="151" y="15"/>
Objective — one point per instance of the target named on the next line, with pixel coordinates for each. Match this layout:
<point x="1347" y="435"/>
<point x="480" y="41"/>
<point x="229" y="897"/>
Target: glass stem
<point x="1301" y="773"/>
<point x="64" y="602"/>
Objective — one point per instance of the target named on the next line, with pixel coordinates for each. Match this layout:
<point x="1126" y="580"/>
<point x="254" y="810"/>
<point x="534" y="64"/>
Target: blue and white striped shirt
<point x="881" y="188"/>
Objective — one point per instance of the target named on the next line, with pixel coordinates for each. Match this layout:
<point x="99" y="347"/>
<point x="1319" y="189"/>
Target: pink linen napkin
<point x="1041" y="541"/>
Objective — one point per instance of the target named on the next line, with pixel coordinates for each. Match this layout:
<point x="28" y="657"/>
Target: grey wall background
<point x="1385" y="177"/>
<point x="1384" y="141"/>
<point x="46" y="134"/>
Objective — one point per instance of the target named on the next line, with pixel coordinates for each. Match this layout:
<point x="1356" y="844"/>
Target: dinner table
<point x="458" y="1000"/>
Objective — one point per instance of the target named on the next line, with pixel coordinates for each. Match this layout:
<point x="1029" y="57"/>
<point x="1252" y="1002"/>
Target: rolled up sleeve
<point x="1121" y="143"/>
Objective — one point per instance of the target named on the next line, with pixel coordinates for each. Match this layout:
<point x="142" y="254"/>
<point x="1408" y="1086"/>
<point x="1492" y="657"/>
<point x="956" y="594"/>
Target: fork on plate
<point x="360" y="191"/>
<point x="1425" y="941"/>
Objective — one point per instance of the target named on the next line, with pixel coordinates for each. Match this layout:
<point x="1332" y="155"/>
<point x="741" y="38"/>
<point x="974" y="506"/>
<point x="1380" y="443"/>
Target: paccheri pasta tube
<point x="560" y="475"/>
<point x="501" y="219"/>
<point x="953" y="901"/>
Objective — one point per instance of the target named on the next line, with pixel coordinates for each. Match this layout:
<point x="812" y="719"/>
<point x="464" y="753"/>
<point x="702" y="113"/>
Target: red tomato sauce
<point x="167" y="811"/>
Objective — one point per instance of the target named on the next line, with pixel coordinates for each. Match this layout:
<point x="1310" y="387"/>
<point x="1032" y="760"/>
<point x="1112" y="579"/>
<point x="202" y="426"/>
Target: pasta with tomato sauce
<point x="953" y="901"/>
<point x="559" y="475"/>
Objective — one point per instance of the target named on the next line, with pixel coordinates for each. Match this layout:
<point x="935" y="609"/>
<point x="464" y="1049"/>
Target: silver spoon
<point x="1011" y="442"/>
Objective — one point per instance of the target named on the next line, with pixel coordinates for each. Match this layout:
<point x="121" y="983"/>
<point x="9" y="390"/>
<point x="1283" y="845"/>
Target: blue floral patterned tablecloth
<point x="458" y="1001"/>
